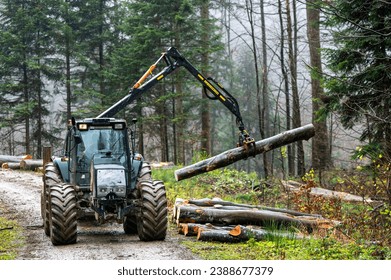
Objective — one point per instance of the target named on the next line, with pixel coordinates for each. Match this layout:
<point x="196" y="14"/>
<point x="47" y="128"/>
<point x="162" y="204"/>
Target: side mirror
<point x="78" y="139"/>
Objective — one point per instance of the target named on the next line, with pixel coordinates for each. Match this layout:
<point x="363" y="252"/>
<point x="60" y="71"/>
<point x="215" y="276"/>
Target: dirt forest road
<point x="20" y="200"/>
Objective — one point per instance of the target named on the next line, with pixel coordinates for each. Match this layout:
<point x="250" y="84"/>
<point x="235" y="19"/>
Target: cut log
<point x="240" y="234"/>
<point x="228" y="157"/>
<point x="191" y="229"/>
<point x="205" y="202"/>
<point x="31" y="164"/>
<point x="6" y="158"/>
<point x="10" y="165"/>
<point x="316" y="191"/>
<point x="202" y="215"/>
<point x="188" y="229"/>
<point x="247" y="232"/>
<point x="217" y="235"/>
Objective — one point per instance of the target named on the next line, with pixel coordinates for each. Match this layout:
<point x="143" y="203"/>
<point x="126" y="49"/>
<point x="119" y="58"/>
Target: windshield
<point x="103" y="141"/>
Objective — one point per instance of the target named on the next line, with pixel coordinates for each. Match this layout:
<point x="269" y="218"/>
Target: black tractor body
<point x="99" y="173"/>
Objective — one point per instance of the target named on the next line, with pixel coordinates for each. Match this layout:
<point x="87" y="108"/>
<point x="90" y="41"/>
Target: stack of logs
<point x="20" y="162"/>
<point x="219" y="220"/>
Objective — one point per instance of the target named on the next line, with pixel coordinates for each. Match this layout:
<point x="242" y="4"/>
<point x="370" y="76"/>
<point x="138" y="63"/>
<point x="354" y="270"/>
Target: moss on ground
<point x="10" y="239"/>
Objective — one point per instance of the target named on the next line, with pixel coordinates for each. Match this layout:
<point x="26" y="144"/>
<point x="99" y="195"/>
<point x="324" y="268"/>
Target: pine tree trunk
<point x="26" y="101"/>
<point x="321" y="158"/>
<point x="205" y="108"/>
<point x="267" y="157"/>
<point x="68" y="66"/>
<point x="290" y="158"/>
<point x="296" y="118"/>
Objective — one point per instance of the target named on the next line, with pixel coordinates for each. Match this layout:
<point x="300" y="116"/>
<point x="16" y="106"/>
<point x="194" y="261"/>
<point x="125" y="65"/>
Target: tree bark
<point x="31" y="164"/>
<point x="6" y="158"/>
<point x="233" y="155"/>
<point x="10" y="165"/>
<point x="286" y="89"/>
<point x="240" y="234"/>
<point x="188" y="229"/>
<point x="216" y="235"/>
<point x="297" y="187"/>
<point x="222" y="204"/>
<point x="321" y="157"/>
<point x="267" y="158"/>
<point x="205" y="108"/>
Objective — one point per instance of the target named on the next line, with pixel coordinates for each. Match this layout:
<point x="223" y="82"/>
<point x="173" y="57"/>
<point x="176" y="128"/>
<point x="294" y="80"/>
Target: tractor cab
<point x="97" y="149"/>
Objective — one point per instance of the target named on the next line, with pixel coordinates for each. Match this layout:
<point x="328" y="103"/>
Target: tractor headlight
<point x="119" y="190"/>
<point x="83" y="126"/>
<point x="102" y="191"/>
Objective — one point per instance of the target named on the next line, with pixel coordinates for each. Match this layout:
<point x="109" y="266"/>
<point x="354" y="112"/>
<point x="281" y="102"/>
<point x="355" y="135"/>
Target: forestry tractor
<point x="100" y="174"/>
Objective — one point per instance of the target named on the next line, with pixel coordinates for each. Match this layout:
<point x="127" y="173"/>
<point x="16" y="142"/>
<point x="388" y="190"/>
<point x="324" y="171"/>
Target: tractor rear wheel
<point x="130" y="221"/>
<point x="50" y="177"/>
<point x="63" y="214"/>
<point x="152" y="219"/>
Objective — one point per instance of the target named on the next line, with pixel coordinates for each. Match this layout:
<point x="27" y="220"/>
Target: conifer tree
<point x="360" y="87"/>
<point x="27" y="61"/>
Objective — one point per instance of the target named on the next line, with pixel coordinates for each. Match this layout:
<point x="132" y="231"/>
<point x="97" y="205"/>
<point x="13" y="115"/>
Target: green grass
<point x="227" y="184"/>
<point x="287" y="249"/>
<point x="10" y="239"/>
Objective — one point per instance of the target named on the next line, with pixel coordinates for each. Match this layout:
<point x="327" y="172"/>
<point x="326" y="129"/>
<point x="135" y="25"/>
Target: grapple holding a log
<point x="242" y="152"/>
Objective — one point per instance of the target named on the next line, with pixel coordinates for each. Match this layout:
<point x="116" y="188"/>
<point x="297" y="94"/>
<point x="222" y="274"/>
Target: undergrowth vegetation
<point x="364" y="231"/>
<point x="10" y="239"/>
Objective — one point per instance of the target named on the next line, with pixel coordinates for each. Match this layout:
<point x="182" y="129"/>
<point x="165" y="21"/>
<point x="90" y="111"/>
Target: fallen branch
<point x="233" y="155"/>
<point x="7" y="228"/>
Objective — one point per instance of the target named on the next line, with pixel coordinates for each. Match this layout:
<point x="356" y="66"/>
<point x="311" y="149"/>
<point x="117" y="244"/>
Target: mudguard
<point x="63" y="168"/>
<point x="137" y="163"/>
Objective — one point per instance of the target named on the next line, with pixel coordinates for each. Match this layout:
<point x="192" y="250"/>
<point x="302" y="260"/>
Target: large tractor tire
<point x="130" y="222"/>
<point x="63" y="214"/>
<point x="50" y="177"/>
<point x="152" y="219"/>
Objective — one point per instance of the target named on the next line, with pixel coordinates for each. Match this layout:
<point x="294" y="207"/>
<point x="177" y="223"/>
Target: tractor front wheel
<point x="63" y="214"/>
<point x="50" y="177"/>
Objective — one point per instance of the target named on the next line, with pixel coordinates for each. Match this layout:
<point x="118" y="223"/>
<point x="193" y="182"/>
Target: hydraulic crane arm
<point x="174" y="60"/>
